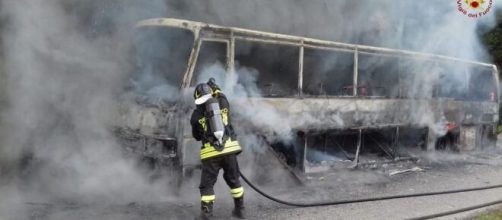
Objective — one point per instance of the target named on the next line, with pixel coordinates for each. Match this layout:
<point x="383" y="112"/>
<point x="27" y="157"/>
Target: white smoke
<point x="63" y="75"/>
<point x="436" y="27"/>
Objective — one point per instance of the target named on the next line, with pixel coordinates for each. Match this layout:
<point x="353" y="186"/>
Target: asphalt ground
<point x="441" y="171"/>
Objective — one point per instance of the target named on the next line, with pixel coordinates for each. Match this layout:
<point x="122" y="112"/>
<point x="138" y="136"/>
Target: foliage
<point x="492" y="40"/>
<point x="496" y="215"/>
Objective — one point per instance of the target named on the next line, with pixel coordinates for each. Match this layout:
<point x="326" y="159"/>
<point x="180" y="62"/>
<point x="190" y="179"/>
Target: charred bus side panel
<point x="339" y="99"/>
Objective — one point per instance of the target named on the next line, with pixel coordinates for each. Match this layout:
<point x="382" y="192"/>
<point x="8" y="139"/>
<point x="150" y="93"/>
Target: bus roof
<point x="196" y="26"/>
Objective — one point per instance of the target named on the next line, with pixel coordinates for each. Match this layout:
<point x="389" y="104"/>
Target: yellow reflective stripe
<point x="208" y="147"/>
<point x="202" y="123"/>
<point x="208" y="198"/>
<point x="216" y="153"/>
<point x="237" y="192"/>
<point x="224" y="116"/>
<point x="209" y="151"/>
<point x="238" y="195"/>
<point x="231" y="143"/>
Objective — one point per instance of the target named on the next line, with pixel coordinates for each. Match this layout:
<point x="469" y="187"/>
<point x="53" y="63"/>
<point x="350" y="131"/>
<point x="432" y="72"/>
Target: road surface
<point x="442" y="171"/>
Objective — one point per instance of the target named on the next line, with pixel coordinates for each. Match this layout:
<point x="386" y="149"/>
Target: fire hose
<point x="371" y="199"/>
<point x="217" y="127"/>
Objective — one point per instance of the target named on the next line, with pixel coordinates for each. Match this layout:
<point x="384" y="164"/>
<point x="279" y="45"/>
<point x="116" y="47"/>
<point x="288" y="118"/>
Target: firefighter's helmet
<point x="202" y="93"/>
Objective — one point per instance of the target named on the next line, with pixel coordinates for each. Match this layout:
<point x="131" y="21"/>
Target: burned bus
<point x="340" y="100"/>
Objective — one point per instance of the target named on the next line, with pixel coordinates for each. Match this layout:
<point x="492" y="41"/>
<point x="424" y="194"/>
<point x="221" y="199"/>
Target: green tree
<point x="492" y="40"/>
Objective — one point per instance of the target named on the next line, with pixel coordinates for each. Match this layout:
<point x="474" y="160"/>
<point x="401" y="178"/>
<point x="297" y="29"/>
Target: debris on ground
<point x="414" y="169"/>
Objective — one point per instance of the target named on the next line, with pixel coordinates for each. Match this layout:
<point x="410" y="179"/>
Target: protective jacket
<point x="200" y="130"/>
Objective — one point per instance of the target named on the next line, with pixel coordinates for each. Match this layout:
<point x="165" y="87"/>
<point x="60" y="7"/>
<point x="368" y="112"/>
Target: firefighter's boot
<point x="238" y="211"/>
<point x="206" y="211"/>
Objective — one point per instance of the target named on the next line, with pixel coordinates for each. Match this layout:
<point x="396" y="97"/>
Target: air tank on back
<point x="215" y="121"/>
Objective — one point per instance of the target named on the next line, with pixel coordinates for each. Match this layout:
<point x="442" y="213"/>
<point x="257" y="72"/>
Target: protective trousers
<point x="210" y="170"/>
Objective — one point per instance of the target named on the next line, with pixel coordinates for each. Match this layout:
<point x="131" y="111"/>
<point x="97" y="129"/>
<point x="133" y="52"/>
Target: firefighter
<point x="218" y="151"/>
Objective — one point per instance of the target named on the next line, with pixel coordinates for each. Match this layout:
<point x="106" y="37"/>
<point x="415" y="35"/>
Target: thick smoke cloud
<point x="415" y="26"/>
<point x="435" y="27"/>
<point x="66" y="62"/>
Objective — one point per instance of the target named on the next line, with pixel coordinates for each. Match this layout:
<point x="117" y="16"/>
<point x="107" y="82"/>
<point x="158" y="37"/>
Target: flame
<point x="450" y="126"/>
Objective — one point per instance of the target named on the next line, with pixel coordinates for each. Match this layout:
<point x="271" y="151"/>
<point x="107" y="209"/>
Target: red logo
<point x="474" y="8"/>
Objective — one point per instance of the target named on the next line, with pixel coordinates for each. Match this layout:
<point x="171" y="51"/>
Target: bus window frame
<point x="195" y="33"/>
<point x="193" y="64"/>
<point x="355" y="71"/>
<point x="300" y="47"/>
